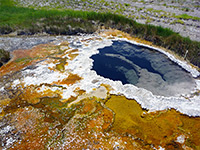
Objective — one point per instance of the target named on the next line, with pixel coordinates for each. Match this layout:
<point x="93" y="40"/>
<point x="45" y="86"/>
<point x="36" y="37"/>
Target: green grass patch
<point x="155" y="10"/>
<point x="164" y="32"/>
<point x="19" y="17"/>
<point x="178" y="21"/>
<point x="187" y="17"/>
<point x="127" y="5"/>
<point x="53" y="21"/>
<point x="7" y="3"/>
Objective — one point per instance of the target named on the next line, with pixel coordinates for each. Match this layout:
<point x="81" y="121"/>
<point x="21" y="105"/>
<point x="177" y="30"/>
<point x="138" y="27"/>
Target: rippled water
<point x="143" y="67"/>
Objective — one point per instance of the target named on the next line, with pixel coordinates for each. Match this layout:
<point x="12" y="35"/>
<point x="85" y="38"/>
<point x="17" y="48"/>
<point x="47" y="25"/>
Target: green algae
<point x="118" y="115"/>
<point x="127" y="112"/>
<point x="51" y="107"/>
<point x="55" y="110"/>
<point x="61" y="65"/>
<point x="158" y="128"/>
<point x="24" y="60"/>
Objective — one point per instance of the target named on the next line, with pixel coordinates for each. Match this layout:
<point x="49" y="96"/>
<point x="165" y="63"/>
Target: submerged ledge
<point x="81" y="65"/>
<point x="194" y="72"/>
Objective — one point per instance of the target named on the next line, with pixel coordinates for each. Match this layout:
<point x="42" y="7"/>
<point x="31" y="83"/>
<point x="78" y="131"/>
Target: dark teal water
<point x="140" y="66"/>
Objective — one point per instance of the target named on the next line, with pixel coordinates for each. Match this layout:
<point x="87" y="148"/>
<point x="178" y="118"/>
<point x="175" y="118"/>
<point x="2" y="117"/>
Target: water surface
<point x="143" y="67"/>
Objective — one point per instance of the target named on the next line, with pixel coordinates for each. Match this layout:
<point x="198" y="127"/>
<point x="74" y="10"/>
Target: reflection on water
<point x="143" y="67"/>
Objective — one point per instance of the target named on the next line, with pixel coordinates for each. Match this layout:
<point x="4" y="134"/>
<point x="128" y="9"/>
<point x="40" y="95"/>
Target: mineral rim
<point x="51" y="99"/>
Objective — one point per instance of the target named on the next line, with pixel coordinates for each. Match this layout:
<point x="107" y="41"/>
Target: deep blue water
<point x="138" y="65"/>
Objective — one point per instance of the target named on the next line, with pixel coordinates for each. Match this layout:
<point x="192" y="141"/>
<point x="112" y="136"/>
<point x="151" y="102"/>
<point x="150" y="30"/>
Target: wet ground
<point x="49" y="99"/>
<point x="26" y="42"/>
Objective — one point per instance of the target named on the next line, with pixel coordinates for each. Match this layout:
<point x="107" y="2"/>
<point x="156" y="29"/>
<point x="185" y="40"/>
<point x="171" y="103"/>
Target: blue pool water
<point x="143" y="67"/>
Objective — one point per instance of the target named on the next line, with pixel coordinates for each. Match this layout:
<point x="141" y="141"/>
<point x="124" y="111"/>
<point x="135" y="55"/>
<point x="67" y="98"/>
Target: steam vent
<point x="101" y="91"/>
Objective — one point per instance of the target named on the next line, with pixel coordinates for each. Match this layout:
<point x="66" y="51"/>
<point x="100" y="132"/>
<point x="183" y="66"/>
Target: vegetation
<point x="187" y="17"/>
<point x="4" y="57"/>
<point x="178" y="21"/>
<point x="52" y="21"/>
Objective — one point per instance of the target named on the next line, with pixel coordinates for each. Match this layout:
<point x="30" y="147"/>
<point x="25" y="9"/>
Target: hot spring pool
<point x="143" y="67"/>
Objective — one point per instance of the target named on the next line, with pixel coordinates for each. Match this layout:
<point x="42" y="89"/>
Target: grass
<point x="155" y="10"/>
<point x="52" y="21"/>
<point x="178" y="21"/>
<point x="127" y="5"/>
<point x="187" y="17"/>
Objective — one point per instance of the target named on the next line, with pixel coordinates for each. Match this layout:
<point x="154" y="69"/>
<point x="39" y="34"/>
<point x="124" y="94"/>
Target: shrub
<point x="4" y="57"/>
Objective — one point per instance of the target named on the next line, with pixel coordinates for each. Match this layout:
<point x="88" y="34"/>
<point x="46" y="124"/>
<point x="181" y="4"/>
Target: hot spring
<point x="143" y="67"/>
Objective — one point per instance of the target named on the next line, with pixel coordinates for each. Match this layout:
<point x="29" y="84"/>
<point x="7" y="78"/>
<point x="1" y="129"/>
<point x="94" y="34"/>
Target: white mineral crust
<point x="82" y="66"/>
